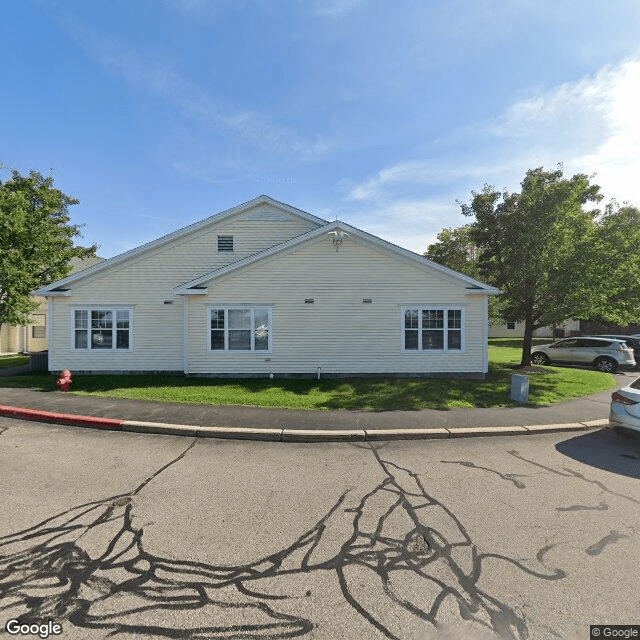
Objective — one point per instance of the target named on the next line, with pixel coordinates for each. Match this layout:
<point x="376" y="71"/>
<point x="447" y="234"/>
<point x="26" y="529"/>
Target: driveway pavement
<point x="286" y="424"/>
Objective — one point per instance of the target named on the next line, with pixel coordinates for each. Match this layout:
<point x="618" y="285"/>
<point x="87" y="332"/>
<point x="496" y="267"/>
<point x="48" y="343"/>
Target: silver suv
<point x="605" y="354"/>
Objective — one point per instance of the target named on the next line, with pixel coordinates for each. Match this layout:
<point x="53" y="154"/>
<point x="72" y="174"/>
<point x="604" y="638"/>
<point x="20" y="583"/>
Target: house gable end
<point x="338" y="233"/>
<point x="246" y="222"/>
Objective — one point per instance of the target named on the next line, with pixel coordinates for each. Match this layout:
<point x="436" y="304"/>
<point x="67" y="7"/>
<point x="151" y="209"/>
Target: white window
<point x="432" y="329"/>
<point x="239" y="329"/>
<point x="102" y="329"/>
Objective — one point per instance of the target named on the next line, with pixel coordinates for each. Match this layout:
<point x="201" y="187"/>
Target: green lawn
<point x="12" y="361"/>
<point x="553" y="385"/>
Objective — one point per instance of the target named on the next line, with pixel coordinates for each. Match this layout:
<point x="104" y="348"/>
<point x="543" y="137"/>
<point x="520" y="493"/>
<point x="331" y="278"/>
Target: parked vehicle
<point x="605" y="354"/>
<point x="632" y="341"/>
<point x="625" y="407"/>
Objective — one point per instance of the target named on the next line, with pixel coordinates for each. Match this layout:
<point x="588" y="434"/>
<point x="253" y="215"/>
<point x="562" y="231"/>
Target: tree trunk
<point x="527" y="341"/>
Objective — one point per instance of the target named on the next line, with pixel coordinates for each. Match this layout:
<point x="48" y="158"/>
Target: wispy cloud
<point x="409" y="223"/>
<point x="190" y="5"/>
<point x="338" y="8"/>
<point x="420" y="173"/>
<point x="162" y="79"/>
<point x="590" y="126"/>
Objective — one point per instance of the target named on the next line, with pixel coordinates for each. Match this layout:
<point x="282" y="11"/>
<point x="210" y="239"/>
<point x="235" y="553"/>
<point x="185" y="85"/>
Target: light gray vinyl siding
<point x="338" y="332"/>
<point x="146" y="281"/>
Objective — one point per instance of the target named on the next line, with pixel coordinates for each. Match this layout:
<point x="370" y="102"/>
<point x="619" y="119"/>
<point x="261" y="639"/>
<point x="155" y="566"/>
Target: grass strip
<point x="553" y="385"/>
<point x="13" y="360"/>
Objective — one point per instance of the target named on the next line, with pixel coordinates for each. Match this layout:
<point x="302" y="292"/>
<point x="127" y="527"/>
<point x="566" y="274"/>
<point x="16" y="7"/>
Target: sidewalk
<point x="284" y="424"/>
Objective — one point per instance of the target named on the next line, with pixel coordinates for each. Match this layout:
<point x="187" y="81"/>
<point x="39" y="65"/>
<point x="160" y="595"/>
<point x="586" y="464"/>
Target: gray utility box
<point x="39" y="361"/>
<point x="519" y="388"/>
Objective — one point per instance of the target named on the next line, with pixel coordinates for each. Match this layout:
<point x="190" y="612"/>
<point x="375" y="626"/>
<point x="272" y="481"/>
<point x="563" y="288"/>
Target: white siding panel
<point x="338" y="332"/>
<point x="145" y="282"/>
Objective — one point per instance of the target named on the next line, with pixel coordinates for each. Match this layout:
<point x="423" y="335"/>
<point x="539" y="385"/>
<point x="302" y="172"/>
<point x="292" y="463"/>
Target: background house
<point x="567" y="329"/>
<point x="516" y="330"/>
<point x="34" y="337"/>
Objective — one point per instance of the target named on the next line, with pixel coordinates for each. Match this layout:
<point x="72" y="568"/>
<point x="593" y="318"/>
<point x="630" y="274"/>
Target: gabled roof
<point x="58" y="286"/>
<point x="196" y="286"/>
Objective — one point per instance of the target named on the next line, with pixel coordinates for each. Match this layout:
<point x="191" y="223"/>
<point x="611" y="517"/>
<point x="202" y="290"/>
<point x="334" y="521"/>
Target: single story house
<point x="265" y="289"/>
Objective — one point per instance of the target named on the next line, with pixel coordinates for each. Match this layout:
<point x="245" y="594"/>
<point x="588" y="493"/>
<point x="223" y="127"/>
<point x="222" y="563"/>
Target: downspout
<point x="185" y="338"/>
<point x="49" y="332"/>
<point x="485" y="335"/>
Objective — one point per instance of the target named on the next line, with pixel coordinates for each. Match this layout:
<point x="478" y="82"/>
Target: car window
<point x="635" y="384"/>
<point x="596" y="343"/>
<point x="565" y="344"/>
<point x="630" y="340"/>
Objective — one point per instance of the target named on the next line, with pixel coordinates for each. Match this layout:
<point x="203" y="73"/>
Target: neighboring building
<point x="266" y="289"/>
<point x="34" y="337"/>
<point x="567" y="329"/>
<point x="516" y="330"/>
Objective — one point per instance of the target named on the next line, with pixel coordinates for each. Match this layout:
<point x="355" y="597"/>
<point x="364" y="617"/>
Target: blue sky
<point x="159" y="113"/>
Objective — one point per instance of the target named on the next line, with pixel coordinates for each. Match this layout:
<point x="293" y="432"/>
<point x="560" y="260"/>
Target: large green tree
<point x="540" y="247"/>
<point x="554" y="256"/>
<point x="616" y="298"/>
<point x="36" y="242"/>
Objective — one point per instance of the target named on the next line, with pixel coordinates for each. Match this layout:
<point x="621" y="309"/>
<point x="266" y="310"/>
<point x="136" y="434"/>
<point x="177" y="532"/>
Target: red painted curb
<point x="61" y="418"/>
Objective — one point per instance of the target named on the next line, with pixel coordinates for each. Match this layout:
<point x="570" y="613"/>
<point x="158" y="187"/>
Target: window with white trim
<point x="432" y="328"/>
<point x="102" y="329"/>
<point x="240" y="329"/>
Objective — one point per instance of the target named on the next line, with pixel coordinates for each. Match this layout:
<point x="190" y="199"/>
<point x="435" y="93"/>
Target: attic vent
<point x="225" y="243"/>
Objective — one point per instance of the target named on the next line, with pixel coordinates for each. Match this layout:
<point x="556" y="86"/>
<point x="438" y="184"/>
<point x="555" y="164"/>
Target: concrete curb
<point x="290" y="435"/>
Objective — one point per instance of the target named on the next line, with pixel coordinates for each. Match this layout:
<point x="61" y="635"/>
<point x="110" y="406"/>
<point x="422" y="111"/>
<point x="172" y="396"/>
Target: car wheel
<point x="608" y="365"/>
<point x="539" y="358"/>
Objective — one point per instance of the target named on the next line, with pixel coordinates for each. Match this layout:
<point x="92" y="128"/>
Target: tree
<point x="617" y="297"/>
<point x="36" y="242"/>
<point x="455" y="249"/>
<point x="541" y="247"/>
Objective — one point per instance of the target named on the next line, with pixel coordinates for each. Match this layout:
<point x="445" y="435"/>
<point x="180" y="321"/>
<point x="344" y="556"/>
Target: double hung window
<point x="102" y="329"/>
<point x="240" y="329"/>
<point x="432" y="329"/>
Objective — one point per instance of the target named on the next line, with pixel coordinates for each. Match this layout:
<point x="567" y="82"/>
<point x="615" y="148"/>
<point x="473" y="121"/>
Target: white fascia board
<point x="218" y="217"/>
<point x="191" y="292"/>
<point x="485" y="290"/>
<point x="474" y="285"/>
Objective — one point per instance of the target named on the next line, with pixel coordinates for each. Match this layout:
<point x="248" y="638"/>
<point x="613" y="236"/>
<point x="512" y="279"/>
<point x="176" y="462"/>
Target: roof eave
<point x="191" y="291"/>
<point x="105" y="264"/>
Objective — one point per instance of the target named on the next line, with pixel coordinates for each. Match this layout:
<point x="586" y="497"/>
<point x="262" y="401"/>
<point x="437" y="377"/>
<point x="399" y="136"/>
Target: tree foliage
<point x="36" y="242"/>
<point x="455" y="249"/>
<point x="616" y="297"/>
<point x="551" y="252"/>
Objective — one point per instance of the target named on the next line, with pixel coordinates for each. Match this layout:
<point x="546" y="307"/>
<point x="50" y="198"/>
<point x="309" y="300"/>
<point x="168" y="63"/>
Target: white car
<point x="605" y="354"/>
<point x="625" y="407"/>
